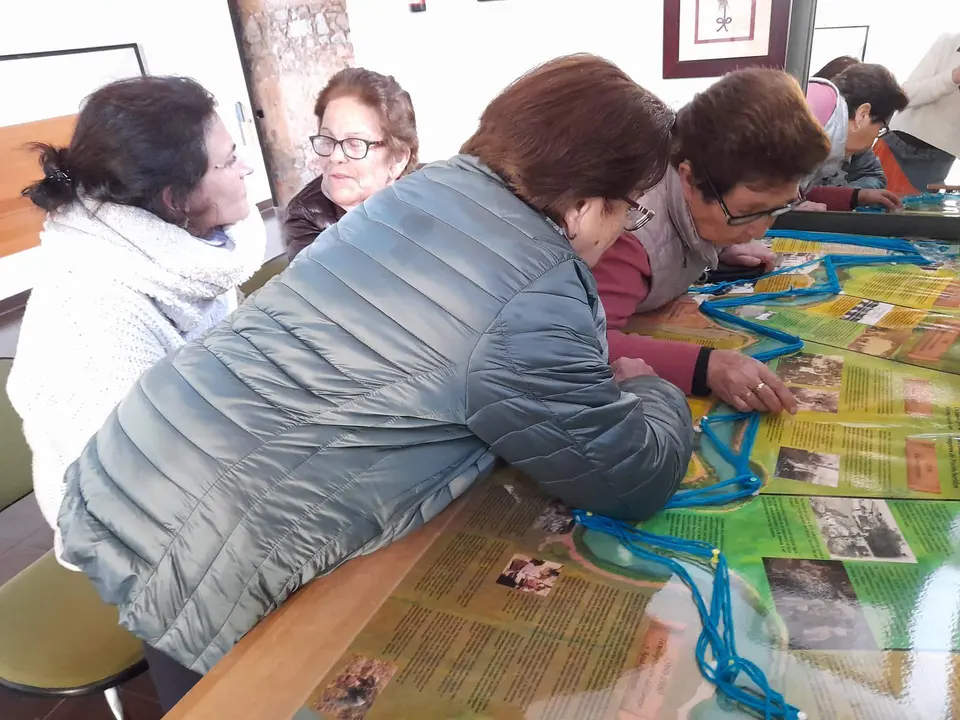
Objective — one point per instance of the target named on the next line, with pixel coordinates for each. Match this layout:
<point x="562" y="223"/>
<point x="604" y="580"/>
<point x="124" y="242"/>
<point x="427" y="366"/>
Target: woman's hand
<point x="627" y="368"/>
<point x="887" y="199"/>
<point x="749" y="254"/>
<point x="810" y="206"/>
<point x="747" y="384"/>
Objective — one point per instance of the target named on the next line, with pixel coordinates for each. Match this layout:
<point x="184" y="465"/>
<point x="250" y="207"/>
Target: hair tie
<point x="59" y="176"/>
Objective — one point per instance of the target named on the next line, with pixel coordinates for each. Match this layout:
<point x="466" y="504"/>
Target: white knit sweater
<point x="933" y="114"/>
<point x="120" y="290"/>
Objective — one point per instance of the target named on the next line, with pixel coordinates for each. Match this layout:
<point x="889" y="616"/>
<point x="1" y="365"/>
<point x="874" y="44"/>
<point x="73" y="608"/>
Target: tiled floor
<point x="24" y="537"/>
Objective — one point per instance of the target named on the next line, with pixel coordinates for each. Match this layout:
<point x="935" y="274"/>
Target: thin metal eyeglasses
<point x="637" y="216"/>
<point x="353" y="148"/>
<point x="736" y="220"/>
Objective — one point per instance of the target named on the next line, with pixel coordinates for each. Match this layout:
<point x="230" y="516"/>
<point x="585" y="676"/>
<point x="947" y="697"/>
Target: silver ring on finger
<point x="758" y="388"/>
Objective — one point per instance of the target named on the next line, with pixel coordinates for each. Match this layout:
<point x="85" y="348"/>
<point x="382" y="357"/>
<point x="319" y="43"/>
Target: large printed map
<point x="845" y="571"/>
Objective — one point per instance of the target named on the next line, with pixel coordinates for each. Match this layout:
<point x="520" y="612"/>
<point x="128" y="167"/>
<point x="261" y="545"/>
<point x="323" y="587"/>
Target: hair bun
<point x="57" y="187"/>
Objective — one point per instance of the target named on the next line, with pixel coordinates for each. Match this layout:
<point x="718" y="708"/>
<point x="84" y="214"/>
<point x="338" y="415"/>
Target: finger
<point x="895" y="199"/>
<point x="754" y="401"/>
<point x="887" y="202"/>
<point x="787" y="401"/>
<point x="737" y="403"/>
<point x="769" y="398"/>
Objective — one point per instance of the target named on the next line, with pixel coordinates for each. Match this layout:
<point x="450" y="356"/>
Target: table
<point x="844" y="572"/>
<point x="272" y="670"/>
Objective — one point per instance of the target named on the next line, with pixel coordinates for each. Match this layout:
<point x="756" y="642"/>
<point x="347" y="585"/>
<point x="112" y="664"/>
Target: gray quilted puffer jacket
<point x="440" y="325"/>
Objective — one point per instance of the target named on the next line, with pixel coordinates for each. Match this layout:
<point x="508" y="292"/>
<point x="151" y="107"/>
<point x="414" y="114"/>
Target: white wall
<point x="455" y="57"/>
<point x="901" y="31"/>
<point x="176" y="37"/>
<point x="193" y="38"/>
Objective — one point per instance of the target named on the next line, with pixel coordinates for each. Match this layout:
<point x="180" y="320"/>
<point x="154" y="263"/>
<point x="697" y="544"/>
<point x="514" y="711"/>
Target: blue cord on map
<point x="717" y="635"/>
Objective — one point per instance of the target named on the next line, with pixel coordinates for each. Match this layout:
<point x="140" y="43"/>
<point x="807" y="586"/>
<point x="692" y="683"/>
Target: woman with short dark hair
<point x="862" y="169"/>
<point x="447" y="321"/>
<point x="743" y="146"/>
<point x="854" y="108"/>
<point x="366" y="140"/>
<point x="143" y="248"/>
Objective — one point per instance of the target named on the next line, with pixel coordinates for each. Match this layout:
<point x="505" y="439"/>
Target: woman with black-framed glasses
<point x="742" y="149"/>
<point x="366" y="140"/>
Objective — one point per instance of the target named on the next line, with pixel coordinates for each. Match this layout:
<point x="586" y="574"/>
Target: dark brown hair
<point x="874" y="84"/>
<point x="133" y="140"/>
<point x="574" y="128"/>
<point x="383" y="94"/>
<point x="752" y="127"/>
<point x="835" y="67"/>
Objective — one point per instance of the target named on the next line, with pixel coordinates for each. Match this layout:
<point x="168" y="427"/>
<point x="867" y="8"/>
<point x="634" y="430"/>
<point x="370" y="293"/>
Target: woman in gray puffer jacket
<point x="449" y="320"/>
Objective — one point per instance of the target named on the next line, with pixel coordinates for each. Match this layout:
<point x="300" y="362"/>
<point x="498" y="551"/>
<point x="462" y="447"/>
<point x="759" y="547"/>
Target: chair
<point x="268" y="270"/>
<point x="16" y="478"/>
<point x="57" y="638"/>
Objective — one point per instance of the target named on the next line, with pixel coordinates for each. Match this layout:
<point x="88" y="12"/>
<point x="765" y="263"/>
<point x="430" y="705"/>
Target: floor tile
<point x="16" y="559"/>
<point x="20" y="521"/>
<point x="94" y="707"/>
<point x="17" y="706"/>
<point x="41" y="538"/>
<point x="142" y="686"/>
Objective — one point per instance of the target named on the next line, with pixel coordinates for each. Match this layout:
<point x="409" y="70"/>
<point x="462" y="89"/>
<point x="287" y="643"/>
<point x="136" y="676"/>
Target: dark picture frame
<point x="674" y="68"/>
<point x="79" y="51"/>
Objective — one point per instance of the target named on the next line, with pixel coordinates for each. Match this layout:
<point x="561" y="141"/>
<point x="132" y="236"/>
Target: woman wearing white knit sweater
<point x="926" y="136"/>
<point x="143" y="250"/>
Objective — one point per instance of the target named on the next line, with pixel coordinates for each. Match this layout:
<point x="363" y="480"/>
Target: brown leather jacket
<point x="308" y="214"/>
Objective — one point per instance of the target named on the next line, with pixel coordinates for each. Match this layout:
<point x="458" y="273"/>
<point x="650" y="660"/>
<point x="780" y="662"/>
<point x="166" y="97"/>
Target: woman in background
<point x="367" y="139"/>
<point x="854" y="108"/>
<point x="925" y="137"/>
<point x="742" y="148"/>
<point x="863" y="169"/>
<point x="449" y="320"/>
<point x="143" y="250"/>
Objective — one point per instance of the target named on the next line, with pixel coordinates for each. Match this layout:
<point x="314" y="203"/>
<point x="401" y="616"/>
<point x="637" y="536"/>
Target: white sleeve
<point x="933" y="77"/>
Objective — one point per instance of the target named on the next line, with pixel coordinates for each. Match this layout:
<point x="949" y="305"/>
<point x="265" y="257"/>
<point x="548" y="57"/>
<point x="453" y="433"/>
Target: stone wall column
<point x="292" y="48"/>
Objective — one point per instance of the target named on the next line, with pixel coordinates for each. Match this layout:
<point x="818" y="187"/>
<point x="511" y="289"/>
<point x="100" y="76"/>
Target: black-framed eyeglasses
<point x="637" y="216"/>
<point x="735" y="220"/>
<point x="353" y="148"/>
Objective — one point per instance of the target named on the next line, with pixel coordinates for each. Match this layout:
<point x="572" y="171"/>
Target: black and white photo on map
<point x="867" y="312"/>
<point x="352" y="693"/>
<point x="555" y="519"/>
<point x="817" y="603"/>
<point x="530" y="575"/>
<point x="795" y="260"/>
<point x="811" y="369"/>
<point x="808" y="466"/>
<point x="860" y="529"/>
<point x="815" y="400"/>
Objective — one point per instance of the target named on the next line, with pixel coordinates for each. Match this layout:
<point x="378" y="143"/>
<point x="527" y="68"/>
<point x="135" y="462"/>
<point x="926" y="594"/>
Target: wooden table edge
<point x="271" y="672"/>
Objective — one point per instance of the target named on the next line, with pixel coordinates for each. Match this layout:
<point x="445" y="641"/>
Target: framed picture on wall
<point x="707" y="38"/>
<point x="30" y="116"/>
<point x="833" y="42"/>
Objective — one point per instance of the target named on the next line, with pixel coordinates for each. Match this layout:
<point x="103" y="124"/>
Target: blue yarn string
<point x="726" y="668"/>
